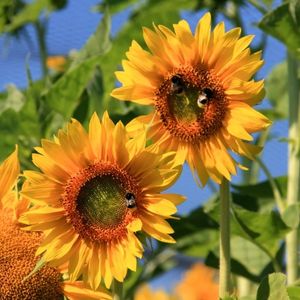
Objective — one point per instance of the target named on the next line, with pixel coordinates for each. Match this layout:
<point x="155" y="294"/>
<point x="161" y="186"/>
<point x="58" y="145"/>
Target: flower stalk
<point x="117" y="289"/>
<point x="293" y="165"/>
<point x="224" y="271"/>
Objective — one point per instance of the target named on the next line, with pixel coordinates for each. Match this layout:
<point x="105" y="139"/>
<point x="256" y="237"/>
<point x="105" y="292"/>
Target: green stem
<point x="117" y="290"/>
<point x="293" y="165"/>
<point x="276" y="191"/>
<point x="224" y="272"/>
<point x="41" y="37"/>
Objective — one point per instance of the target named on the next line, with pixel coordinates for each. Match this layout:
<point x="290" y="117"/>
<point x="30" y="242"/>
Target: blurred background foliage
<point x="80" y="83"/>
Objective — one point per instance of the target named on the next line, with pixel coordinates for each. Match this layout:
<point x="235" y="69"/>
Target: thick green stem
<point x="224" y="272"/>
<point x="41" y="37"/>
<point x="117" y="290"/>
<point x="293" y="165"/>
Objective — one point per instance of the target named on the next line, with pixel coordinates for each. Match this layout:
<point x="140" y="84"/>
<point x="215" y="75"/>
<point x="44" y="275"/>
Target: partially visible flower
<point x="96" y="190"/>
<point x="145" y="293"/>
<point x="202" y="91"/>
<point x="17" y="251"/>
<point x="57" y="63"/>
<point x="198" y="283"/>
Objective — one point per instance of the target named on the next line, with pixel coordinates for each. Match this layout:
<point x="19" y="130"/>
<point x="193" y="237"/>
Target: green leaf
<point x="277" y="90"/>
<point x="248" y="254"/>
<point x="114" y="5"/>
<point x="273" y="288"/>
<point x="258" y="197"/>
<point x="29" y="14"/>
<point x="290" y="216"/>
<point x="264" y="229"/>
<point x="99" y="42"/>
<point x="282" y="24"/>
<point x="294" y="292"/>
<point x="64" y="96"/>
<point x="14" y="99"/>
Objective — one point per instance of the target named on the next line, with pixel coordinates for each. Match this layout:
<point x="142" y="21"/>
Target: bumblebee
<point x="130" y="200"/>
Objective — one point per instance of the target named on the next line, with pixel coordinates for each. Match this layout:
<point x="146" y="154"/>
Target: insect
<point x="204" y="97"/>
<point x="177" y="86"/>
<point x="130" y="200"/>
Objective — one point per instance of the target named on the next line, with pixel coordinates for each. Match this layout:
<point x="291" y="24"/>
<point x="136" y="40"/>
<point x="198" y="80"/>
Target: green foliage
<point x="273" y="288"/>
<point x="283" y="23"/>
<point x="277" y="91"/>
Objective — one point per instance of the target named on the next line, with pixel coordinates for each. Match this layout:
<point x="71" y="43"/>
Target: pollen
<point x="95" y="200"/>
<point x="191" y="103"/>
<point x="17" y="260"/>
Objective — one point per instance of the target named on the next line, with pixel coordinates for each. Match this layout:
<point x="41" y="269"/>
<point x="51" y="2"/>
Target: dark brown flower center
<point x="100" y="201"/>
<point x="17" y="260"/>
<point x="191" y="103"/>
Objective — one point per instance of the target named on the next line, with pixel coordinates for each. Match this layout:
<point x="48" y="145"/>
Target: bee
<point x="130" y="200"/>
<point x="204" y="97"/>
<point x="177" y="86"/>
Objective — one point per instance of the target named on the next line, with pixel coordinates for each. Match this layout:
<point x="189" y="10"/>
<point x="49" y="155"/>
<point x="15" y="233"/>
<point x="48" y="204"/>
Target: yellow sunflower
<point x="17" y="251"/>
<point x="201" y="89"/>
<point x="198" y="284"/>
<point x="95" y="191"/>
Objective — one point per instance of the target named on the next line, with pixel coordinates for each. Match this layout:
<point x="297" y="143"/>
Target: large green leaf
<point x="283" y="24"/>
<point x="273" y="288"/>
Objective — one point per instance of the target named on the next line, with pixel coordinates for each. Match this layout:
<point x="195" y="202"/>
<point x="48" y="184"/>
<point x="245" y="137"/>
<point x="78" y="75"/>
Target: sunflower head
<point x="17" y="253"/>
<point x="95" y="191"/>
<point x="200" y="86"/>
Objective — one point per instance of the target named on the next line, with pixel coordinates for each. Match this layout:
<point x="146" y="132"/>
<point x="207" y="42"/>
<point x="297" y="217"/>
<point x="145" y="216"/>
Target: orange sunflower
<point x="95" y="190"/>
<point x="201" y="89"/>
<point x="17" y="251"/>
<point x="145" y="293"/>
<point x="198" y="284"/>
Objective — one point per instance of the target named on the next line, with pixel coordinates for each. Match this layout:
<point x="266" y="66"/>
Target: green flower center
<point x="102" y="201"/>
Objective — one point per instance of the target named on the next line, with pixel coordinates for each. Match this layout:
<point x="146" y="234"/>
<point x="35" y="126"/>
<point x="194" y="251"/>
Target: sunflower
<point x="198" y="284"/>
<point x="95" y="191"/>
<point x="145" y="293"/>
<point x="201" y="89"/>
<point x="17" y="251"/>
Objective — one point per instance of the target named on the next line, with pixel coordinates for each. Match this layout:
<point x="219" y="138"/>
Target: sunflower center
<point x="100" y="201"/>
<point x="17" y="260"/>
<point x="191" y="103"/>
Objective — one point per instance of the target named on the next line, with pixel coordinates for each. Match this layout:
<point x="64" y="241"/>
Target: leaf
<point x="29" y="14"/>
<point x="14" y="99"/>
<point x="99" y="42"/>
<point x="258" y="197"/>
<point x="273" y="287"/>
<point x="264" y="229"/>
<point x="280" y="23"/>
<point x="291" y="216"/>
<point x="294" y="292"/>
<point x="115" y="5"/>
<point x="277" y="90"/>
<point x="248" y="254"/>
<point x="64" y="95"/>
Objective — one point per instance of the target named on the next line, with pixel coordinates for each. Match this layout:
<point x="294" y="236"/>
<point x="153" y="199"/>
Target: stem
<point x="40" y="32"/>
<point x="254" y="172"/>
<point x="293" y="166"/>
<point x="224" y="272"/>
<point x="276" y="191"/>
<point x="117" y="290"/>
